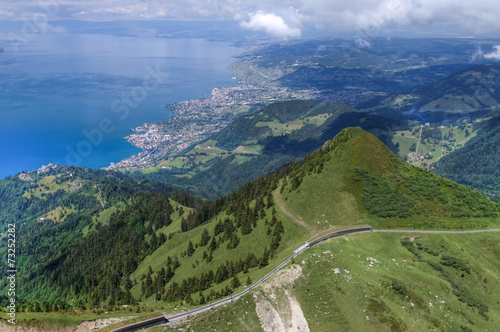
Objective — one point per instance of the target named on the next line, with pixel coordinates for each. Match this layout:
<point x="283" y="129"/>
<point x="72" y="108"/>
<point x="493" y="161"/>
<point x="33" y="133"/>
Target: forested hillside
<point x="75" y="188"/>
<point x="477" y="164"/>
<point x="53" y="210"/>
<point x="144" y="246"/>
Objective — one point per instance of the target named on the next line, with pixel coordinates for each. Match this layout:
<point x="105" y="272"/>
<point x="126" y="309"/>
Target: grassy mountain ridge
<point x="371" y="184"/>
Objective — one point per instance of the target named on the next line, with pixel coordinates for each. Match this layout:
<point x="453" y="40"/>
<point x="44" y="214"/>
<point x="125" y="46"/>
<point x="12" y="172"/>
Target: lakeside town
<point x="194" y="120"/>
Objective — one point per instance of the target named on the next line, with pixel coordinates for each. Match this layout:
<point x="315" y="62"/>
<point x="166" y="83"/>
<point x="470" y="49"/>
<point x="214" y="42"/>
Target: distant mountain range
<point x="471" y="92"/>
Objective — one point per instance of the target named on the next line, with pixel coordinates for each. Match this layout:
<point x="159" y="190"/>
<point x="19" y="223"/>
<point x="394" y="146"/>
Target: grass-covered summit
<point x="356" y="178"/>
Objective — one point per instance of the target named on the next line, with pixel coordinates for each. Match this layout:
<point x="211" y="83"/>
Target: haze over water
<point x="57" y="86"/>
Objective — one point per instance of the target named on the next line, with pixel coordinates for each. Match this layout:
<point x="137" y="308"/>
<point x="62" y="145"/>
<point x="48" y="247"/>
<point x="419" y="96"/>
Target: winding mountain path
<point x="281" y="205"/>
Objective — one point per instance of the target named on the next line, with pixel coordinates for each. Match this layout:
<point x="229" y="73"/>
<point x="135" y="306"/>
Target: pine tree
<point x="149" y="286"/>
<point x="270" y="200"/>
<point x="233" y="242"/>
<point x="168" y="274"/>
<point x="81" y="305"/>
<point x="128" y="283"/>
<point x="127" y="298"/>
<point x="61" y="304"/>
<point x="265" y="259"/>
<point x="160" y="279"/>
<point x="219" y="228"/>
<point x="153" y="242"/>
<point x="190" y="248"/>
<point x="47" y="307"/>
<point x="205" y="238"/>
<point x="202" y="299"/>
<point x="246" y="228"/>
<point x="213" y="245"/>
<point x="176" y="264"/>
<point x="235" y="282"/>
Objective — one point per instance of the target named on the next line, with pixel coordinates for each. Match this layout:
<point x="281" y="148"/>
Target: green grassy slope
<point x="354" y="179"/>
<point x="384" y="286"/>
<point x="388" y="286"/>
<point x="357" y="179"/>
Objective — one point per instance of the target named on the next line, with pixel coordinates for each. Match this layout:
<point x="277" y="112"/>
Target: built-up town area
<point x="194" y="120"/>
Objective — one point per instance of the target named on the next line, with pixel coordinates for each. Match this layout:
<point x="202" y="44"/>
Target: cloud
<point x="271" y="24"/>
<point x="6" y="13"/>
<point x="286" y="18"/>
<point x="362" y="43"/>
<point x="477" y="55"/>
<point x="495" y="55"/>
<point x="131" y="11"/>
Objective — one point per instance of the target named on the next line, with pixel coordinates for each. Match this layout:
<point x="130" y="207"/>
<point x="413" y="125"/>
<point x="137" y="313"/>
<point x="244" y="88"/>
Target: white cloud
<point x="271" y="24"/>
<point x="286" y="18"/>
<point x="6" y="13"/>
<point x="495" y="55"/>
<point x="477" y="55"/>
<point x="131" y="11"/>
<point x="362" y="43"/>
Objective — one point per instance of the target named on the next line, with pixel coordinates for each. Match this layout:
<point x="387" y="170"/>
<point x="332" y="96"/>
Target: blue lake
<point x="56" y="91"/>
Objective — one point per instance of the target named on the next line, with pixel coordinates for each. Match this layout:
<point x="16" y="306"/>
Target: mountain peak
<point x="362" y="149"/>
<point x="356" y="179"/>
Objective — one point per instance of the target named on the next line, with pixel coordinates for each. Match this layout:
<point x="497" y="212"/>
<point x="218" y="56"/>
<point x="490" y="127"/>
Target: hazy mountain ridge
<point x="470" y="92"/>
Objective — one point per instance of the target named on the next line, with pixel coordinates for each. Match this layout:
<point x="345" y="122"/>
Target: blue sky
<point x="284" y="18"/>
